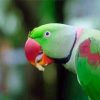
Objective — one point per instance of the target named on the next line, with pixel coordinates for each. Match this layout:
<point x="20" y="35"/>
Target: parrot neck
<point x="66" y="59"/>
<point x="70" y="65"/>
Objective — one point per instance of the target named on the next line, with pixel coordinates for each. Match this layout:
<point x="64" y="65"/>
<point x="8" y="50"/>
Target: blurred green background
<point x="18" y="79"/>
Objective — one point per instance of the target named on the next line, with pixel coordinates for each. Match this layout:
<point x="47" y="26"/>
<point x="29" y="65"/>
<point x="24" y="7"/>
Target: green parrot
<point x="77" y="49"/>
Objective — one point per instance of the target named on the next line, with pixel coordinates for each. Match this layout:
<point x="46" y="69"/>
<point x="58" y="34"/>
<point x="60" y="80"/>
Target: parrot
<point x="76" y="48"/>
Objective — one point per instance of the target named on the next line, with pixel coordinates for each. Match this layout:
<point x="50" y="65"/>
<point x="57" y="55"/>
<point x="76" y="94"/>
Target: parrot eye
<point x="47" y="34"/>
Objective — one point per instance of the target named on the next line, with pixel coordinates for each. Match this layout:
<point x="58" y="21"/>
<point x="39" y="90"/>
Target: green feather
<point x="95" y="45"/>
<point x="89" y="75"/>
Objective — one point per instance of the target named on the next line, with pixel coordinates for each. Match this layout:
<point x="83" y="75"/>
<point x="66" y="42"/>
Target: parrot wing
<point x="88" y="67"/>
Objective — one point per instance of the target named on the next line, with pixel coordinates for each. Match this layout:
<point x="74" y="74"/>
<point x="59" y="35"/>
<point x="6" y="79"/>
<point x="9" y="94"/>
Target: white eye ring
<point x="47" y="34"/>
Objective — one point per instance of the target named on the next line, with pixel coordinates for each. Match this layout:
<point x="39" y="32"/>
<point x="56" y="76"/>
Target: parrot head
<point x="49" y="42"/>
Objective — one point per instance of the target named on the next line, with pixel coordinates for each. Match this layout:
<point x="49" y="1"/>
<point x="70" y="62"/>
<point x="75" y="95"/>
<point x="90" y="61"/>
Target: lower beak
<point x="45" y="60"/>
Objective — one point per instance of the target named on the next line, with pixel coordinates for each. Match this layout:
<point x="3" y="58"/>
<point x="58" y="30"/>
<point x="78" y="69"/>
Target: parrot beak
<point x="35" y="55"/>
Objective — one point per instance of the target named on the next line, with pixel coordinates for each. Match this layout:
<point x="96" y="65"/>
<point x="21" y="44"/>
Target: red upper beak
<point x="32" y="50"/>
